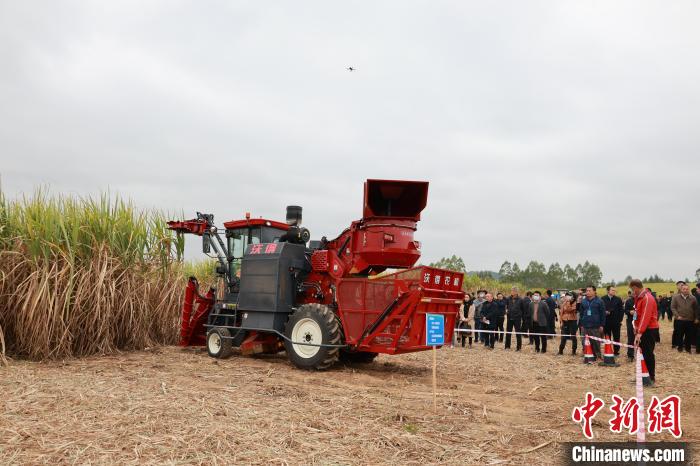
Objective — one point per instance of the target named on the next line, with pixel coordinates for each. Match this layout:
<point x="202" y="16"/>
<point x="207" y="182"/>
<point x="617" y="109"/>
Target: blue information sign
<point x="434" y="329"/>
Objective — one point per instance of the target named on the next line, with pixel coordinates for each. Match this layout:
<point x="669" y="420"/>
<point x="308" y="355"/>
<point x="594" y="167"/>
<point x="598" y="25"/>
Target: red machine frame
<point x="379" y="312"/>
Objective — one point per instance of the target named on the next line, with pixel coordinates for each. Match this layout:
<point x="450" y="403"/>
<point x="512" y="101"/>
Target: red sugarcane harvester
<point x="325" y="300"/>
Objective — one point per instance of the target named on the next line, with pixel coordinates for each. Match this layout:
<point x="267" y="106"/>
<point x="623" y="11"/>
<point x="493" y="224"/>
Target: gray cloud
<point x="558" y="131"/>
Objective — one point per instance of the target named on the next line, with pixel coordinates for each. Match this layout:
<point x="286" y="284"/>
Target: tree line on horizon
<point x="534" y="275"/>
<point x="537" y="275"/>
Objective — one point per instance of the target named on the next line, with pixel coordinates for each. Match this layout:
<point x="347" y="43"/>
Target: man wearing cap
<point x="685" y="315"/>
<point x="646" y="325"/>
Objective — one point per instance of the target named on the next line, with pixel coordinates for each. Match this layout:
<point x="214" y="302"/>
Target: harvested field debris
<point x="178" y="406"/>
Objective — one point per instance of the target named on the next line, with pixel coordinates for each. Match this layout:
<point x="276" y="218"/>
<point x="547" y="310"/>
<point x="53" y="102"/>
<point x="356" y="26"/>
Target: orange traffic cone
<point x="609" y="355"/>
<point x="588" y="356"/>
<point x="645" y="372"/>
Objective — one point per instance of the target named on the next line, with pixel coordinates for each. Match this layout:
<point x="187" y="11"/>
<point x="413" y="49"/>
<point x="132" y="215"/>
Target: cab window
<point x="271" y="235"/>
<point x="237" y="242"/>
<point x="255" y="236"/>
<point x="240" y="238"/>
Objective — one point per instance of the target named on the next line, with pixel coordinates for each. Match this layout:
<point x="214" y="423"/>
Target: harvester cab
<point x="327" y="301"/>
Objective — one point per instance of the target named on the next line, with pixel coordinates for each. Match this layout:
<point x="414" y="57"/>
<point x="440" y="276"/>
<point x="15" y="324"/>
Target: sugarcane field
<point x="387" y="233"/>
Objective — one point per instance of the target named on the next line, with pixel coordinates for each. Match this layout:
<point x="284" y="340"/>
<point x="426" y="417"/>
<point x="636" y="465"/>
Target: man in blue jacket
<point x="591" y="320"/>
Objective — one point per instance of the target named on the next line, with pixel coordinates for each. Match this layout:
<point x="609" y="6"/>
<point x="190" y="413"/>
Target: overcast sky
<point x="557" y="131"/>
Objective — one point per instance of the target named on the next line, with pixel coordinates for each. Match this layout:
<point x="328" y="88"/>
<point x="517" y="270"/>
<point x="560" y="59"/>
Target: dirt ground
<point x="178" y="406"/>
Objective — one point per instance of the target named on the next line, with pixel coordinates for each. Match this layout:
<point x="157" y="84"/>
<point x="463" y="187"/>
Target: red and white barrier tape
<point x="604" y="340"/>
<point x="641" y="430"/>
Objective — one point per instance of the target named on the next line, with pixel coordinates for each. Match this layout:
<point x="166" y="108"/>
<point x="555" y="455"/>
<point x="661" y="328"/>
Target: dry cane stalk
<point x="3" y="360"/>
<point x="64" y="310"/>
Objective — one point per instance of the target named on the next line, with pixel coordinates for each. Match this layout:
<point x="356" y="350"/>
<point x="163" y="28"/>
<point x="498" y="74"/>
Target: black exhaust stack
<point x="294" y="215"/>
<point x="296" y="234"/>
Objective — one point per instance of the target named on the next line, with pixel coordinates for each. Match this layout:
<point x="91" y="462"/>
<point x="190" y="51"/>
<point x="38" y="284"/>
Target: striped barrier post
<point x="588" y="356"/>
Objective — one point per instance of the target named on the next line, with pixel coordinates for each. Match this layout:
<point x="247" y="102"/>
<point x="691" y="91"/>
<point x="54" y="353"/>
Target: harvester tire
<point x="360" y="357"/>
<point x="219" y="343"/>
<point x="313" y="323"/>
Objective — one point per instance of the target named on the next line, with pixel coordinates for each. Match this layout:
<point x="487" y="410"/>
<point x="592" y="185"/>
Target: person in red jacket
<point x="646" y="325"/>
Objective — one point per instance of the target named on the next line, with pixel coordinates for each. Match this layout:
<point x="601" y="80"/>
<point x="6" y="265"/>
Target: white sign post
<point x="434" y="336"/>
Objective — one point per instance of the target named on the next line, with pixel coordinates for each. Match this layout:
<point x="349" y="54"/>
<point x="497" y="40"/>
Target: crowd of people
<point x="488" y="319"/>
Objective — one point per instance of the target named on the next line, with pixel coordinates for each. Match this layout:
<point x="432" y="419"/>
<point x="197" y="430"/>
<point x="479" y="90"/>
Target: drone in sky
<point x="351" y="69"/>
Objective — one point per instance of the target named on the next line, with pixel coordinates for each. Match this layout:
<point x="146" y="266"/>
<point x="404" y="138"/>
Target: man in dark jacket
<point x="697" y="324"/>
<point x="552" y="316"/>
<point x="539" y="317"/>
<point x="665" y="307"/>
<point x="614" y="312"/>
<point x="478" y="302"/>
<point x="501" y="315"/>
<point x="489" y="316"/>
<point x="526" y="315"/>
<point x="629" y="313"/>
<point x="592" y="319"/>
<point x="514" y="313"/>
